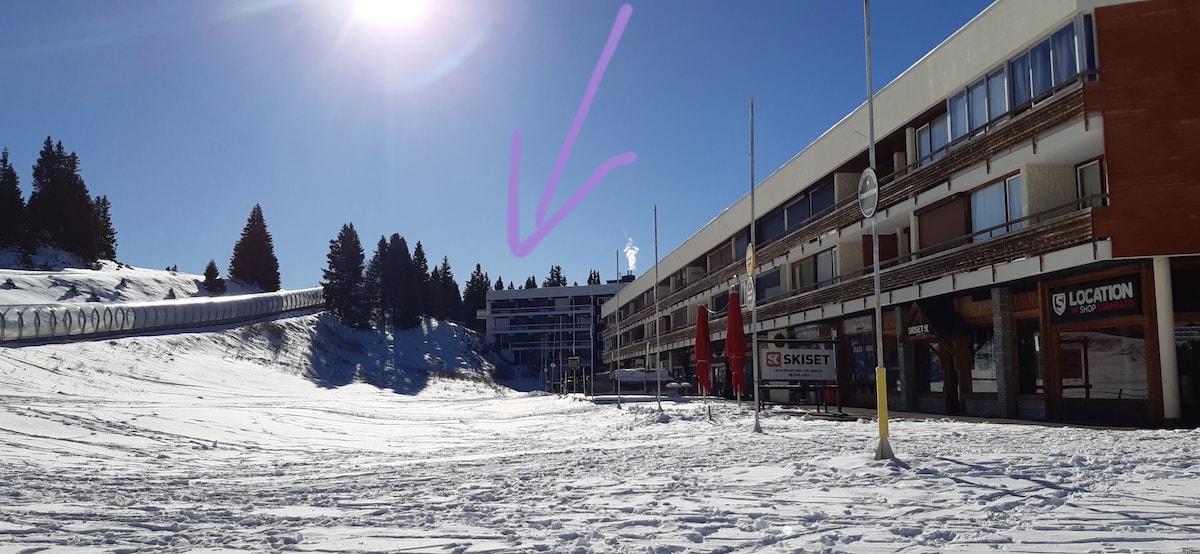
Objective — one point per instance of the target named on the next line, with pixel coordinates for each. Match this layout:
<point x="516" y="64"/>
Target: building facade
<point x="542" y="329"/>
<point x="1038" y="221"/>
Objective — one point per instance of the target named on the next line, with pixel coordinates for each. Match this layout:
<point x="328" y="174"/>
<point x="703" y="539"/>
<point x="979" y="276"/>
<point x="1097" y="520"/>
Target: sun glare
<point x="390" y="12"/>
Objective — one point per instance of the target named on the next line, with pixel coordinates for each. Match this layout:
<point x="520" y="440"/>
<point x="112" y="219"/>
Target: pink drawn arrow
<point x="542" y="225"/>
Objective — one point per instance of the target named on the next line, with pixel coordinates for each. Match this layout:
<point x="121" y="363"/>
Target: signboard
<point x="750" y="260"/>
<point x="1187" y="333"/>
<point x="573" y="362"/>
<point x="868" y="192"/>
<point x="1096" y="300"/>
<point x="798" y="364"/>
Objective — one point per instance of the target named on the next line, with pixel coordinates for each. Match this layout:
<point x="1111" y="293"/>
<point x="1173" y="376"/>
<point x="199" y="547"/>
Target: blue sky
<point x="186" y="114"/>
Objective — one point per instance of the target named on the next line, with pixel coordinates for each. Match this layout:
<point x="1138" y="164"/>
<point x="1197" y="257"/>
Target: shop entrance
<point x="1187" y="351"/>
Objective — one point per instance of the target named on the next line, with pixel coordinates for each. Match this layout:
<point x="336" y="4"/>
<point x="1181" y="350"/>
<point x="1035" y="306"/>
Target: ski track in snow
<point x="207" y="442"/>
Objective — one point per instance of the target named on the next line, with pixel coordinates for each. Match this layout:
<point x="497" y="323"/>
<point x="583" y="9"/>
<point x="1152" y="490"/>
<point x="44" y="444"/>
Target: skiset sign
<point x="798" y="364"/>
<point x="1096" y="300"/>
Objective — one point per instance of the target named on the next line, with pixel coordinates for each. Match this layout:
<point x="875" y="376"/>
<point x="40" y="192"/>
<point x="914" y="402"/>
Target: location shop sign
<point x="798" y="364"/>
<point x="1096" y="300"/>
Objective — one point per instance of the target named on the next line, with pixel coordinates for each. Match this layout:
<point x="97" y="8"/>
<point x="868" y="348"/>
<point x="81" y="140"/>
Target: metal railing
<point x="87" y="320"/>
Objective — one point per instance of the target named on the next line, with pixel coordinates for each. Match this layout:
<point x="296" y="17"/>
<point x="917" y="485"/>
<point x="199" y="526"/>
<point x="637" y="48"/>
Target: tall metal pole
<point x="617" y="318"/>
<point x="657" y="321"/>
<point x="752" y="270"/>
<point x="884" y="450"/>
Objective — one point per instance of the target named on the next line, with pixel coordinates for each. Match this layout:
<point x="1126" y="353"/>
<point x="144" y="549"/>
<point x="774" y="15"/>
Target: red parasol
<point x="735" y="344"/>
<point x="703" y="350"/>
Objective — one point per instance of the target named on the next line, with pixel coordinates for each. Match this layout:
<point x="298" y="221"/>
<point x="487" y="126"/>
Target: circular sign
<point x="868" y="193"/>
<point x="750" y="260"/>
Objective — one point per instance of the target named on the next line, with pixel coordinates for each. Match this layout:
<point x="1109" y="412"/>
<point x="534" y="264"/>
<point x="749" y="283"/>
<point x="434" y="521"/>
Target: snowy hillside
<point x="58" y="272"/>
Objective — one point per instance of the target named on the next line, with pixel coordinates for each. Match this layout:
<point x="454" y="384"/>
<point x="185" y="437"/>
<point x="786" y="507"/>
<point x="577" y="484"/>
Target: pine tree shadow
<point x="341" y="356"/>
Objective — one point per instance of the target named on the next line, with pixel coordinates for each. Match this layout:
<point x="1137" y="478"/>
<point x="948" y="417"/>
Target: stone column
<point x="1002" y="351"/>
<point x="1168" y="364"/>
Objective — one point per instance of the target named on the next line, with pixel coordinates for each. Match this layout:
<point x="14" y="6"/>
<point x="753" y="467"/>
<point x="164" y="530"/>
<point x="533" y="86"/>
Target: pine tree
<point x="254" y="261"/>
<point x="420" y="282"/>
<point x="12" y="206"/>
<point x="106" y="236"/>
<point x="593" y="277"/>
<point x="377" y="296"/>
<point x="433" y="293"/>
<point x="404" y="285"/>
<point x="343" y="279"/>
<point x="530" y="283"/>
<point x="475" y="297"/>
<point x="556" y="278"/>
<point x="510" y="285"/>
<point x="213" y="282"/>
<point x="499" y="283"/>
<point x="449" y="291"/>
<point x="60" y="209"/>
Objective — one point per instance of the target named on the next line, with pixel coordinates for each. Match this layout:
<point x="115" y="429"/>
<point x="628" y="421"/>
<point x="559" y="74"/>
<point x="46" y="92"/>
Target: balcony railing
<point x="1064" y="104"/>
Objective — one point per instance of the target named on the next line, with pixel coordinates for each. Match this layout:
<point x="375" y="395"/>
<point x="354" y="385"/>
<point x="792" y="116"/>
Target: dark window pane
<point x="1040" y="65"/>
<point x="1065" y="65"/>
<point x="822" y="199"/>
<point x="1018" y="73"/>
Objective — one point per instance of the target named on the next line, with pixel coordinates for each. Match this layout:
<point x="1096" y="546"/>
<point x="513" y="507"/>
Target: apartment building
<point x="543" y="329"/>
<point x="1038" y="220"/>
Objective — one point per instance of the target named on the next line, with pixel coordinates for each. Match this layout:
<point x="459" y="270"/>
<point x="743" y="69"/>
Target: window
<point x="1088" y="44"/>
<point x="770" y="227"/>
<point x="814" y="271"/>
<point x="1108" y="363"/>
<point x="995" y="205"/>
<point x="1064" y="62"/>
<point x="768" y="285"/>
<point x="1089" y="179"/>
<point x="997" y="85"/>
<point x="968" y="109"/>
<point x="1022" y="90"/>
<point x="960" y="123"/>
<point x="1040" y="65"/>
<point x="804" y="274"/>
<point x="983" y="370"/>
<point x="932" y="138"/>
<point x="739" y="245"/>
<point x="797" y="213"/>
<point x="821" y="199"/>
<point x="826" y="266"/>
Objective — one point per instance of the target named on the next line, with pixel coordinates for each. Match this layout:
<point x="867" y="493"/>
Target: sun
<point x="390" y="12"/>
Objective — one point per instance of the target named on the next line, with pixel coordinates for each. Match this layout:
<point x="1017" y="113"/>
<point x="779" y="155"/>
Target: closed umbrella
<point x="735" y="344"/>
<point x="703" y="350"/>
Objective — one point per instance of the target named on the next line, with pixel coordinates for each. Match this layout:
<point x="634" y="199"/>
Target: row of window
<point x="1051" y="62"/>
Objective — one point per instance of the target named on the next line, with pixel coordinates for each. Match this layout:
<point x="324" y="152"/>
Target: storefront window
<point x="983" y="372"/>
<point x="1107" y="363"/>
<point x="863" y="348"/>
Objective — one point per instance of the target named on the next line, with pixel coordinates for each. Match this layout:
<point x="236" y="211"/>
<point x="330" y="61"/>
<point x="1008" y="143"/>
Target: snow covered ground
<point x="267" y="438"/>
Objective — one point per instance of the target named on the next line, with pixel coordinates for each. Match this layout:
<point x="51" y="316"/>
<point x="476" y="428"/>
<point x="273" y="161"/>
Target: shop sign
<point x="1096" y="300"/>
<point x="798" y="364"/>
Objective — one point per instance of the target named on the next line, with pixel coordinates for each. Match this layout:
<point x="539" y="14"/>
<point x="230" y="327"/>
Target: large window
<point x="997" y="85"/>
<point x="994" y="206"/>
<point x="1052" y="61"/>
<point x="1107" y="363"/>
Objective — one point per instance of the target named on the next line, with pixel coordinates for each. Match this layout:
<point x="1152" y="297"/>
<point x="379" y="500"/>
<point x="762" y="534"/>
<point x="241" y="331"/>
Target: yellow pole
<point x="885" y="450"/>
